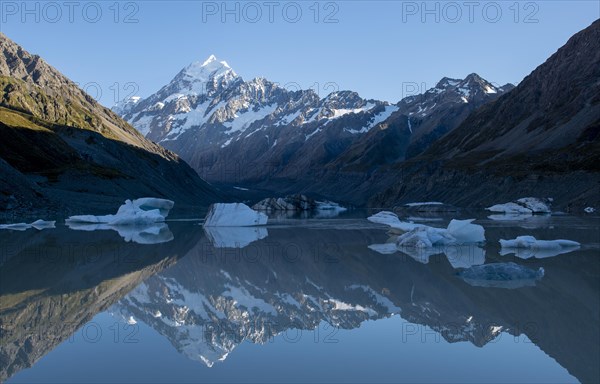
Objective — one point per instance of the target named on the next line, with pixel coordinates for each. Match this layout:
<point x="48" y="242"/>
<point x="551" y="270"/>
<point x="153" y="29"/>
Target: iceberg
<point x="465" y="232"/>
<point x="391" y="219"/>
<point x="525" y="205"/>
<point x="234" y="237"/>
<point x="429" y="206"/>
<point x="38" y="224"/>
<point x="425" y="237"/>
<point x="42" y="224"/>
<point x="526" y="247"/>
<point x="459" y="242"/>
<point x="536" y="204"/>
<point x="458" y="232"/>
<point x="152" y="233"/>
<point x="501" y="275"/>
<point x="330" y="206"/>
<point x="137" y="212"/>
<point x="233" y="215"/>
<point x="418" y="204"/>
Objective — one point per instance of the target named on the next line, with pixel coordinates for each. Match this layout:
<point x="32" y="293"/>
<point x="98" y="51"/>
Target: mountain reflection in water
<point x="208" y="293"/>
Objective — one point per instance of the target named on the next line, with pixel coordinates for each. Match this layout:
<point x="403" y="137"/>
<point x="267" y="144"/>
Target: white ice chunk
<point x="510" y="208"/>
<point x="330" y="206"/>
<point x="425" y="237"/>
<point x="536" y="205"/>
<point x="16" y="226"/>
<point x="38" y="224"/>
<point x="234" y="237"/>
<point x="464" y="232"/>
<point x="418" y="204"/>
<point x="392" y="220"/>
<point x="459" y="241"/>
<point x="511" y="216"/>
<point x="526" y="247"/>
<point x="233" y="215"/>
<point x="42" y="224"/>
<point x="458" y="232"/>
<point x="525" y="205"/>
<point x="137" y="212"/>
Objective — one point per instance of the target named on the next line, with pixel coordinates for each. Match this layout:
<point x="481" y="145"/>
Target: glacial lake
<point x="300" y="300"/>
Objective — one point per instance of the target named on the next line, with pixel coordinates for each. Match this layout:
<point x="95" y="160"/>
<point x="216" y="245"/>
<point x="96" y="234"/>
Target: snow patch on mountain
<point x="245" y="119"/>
<point x="376" y="119"/>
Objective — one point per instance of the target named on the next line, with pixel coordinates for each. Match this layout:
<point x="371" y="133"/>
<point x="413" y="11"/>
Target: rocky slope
<point x="541" y="138"/>
<point x="259" y="134"/>
<point x="75" y="154"/>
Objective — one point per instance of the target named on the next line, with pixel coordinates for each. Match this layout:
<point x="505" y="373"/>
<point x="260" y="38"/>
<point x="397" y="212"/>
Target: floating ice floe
<point x="459" y="241"/>
<point x="233" y="215"/>
<point x="501" y="275"/>
<point x="526" y="247"/>
<point x="234" y="237"/>
<point x="424" y="236"/>
<point x="137" y="212"/>
<point x="140" y="221"/>
<point x="525" y="205"/>
<point x="330" y="206"/>
<point x="152" y="233"/>
<point x="38" y="224"/>
<point x="419" y="204"/>
<point x="391" y="219"/>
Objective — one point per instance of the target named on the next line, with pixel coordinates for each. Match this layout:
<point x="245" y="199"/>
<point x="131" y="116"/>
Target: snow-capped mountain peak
<point x="209" y="115"/>
<point x="210" y="59"/>
<point x="207" y="70"/>
<point x="447" y="82"/>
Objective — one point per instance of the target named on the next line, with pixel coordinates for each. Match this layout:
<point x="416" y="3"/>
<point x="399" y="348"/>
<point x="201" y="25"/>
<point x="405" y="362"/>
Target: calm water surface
<point x="300" y="300"/>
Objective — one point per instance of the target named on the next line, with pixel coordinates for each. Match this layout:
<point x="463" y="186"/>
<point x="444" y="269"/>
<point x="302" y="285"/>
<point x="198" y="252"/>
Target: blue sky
<point x="381" y="49"/>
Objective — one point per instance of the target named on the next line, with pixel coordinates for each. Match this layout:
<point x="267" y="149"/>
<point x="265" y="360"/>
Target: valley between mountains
<point x="209" y="135"/>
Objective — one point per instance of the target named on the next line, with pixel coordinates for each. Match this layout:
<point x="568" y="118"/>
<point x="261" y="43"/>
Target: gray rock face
<point x="541" y="138"/>
<point x="76" y="155"/>
<point x="255" y="132"/>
